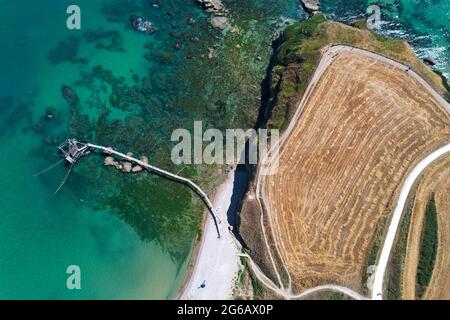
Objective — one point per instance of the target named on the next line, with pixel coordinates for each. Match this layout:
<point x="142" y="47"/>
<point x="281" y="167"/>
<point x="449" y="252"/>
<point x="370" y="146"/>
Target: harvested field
<point x="436" y="180"/>
<point x="363" y="127"/>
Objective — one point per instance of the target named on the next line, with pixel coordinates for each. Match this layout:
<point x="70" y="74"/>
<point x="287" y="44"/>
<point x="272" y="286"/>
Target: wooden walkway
<point x="163" y="173"/>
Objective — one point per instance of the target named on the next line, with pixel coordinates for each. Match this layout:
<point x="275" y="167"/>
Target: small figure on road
<point x="203" y="285"/>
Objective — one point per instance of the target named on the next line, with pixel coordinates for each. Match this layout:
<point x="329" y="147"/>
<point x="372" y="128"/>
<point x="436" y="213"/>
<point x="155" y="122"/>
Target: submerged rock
<point x="211" y="53"/>
<point x="211" y="6"/>
<point x="108" y="150"/>
<point x="110" y="161"/>
<point x="69" y="95"/>
<point x="311" y="6"/>
<point x="219" y="22"/>
<point x="137" y="168"/>
<point x="429" y="61"/>
<point x="126" y="166"/>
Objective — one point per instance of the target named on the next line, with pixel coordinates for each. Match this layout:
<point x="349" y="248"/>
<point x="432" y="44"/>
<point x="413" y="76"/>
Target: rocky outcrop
<point x="49" y="113"/>
<point x="311" y="6"/>
<point x="219" y="22"/>
<point x="144" y="159"/>
<point x="126" y="167"/>
<point x="429" y="61"/>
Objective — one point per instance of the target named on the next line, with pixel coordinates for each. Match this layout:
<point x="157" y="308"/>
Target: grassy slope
<point x="299" y="54"/>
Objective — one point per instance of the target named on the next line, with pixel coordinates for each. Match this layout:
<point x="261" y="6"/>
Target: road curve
<point x="377" y="290"/>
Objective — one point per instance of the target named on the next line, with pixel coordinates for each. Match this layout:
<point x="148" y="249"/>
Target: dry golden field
<point x="436" y="180"/>
<point x="362" y="128"/>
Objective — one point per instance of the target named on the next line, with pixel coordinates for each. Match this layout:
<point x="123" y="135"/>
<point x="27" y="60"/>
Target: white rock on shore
<point x="219" y="22"/>
<point x="311" y="6"/>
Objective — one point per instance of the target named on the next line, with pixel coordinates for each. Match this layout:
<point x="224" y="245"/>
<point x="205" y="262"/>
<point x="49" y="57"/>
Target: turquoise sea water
<point x="131" y="235"/>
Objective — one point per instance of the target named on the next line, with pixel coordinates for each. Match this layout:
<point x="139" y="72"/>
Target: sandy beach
<point x="216" y="261"/>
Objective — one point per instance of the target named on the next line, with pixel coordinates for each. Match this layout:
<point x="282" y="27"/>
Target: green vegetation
<point x="395" y="272"/>
<point x="428" y="248"/>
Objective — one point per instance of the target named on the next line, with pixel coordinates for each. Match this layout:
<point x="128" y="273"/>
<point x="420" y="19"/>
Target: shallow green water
<point x="130" y="235"/>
